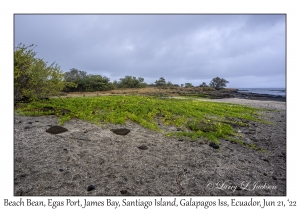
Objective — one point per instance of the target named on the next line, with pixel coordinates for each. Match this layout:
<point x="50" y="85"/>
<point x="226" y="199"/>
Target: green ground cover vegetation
<point x="193" y="118"/>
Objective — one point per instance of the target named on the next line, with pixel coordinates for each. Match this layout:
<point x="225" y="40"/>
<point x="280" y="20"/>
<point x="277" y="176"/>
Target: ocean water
<point x="269" y="91"/>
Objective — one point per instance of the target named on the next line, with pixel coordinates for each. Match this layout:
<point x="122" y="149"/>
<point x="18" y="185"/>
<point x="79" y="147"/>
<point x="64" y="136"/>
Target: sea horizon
<point x="269" y="91"/>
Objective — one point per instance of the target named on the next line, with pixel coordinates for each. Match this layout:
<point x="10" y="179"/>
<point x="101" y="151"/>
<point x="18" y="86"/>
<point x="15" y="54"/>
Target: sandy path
<point x="254" y="103"/>
<point x="67" y="163"/>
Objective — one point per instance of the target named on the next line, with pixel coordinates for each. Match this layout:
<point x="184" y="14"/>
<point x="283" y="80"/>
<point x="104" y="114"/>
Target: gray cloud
<point x="247" y="50"/>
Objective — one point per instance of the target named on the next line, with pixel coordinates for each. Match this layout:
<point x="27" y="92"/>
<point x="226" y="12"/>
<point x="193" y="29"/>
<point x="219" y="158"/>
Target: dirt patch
<point x="92" y="160"/>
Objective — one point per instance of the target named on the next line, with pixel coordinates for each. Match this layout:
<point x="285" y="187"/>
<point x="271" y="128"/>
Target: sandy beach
<point x="147" y="163"/>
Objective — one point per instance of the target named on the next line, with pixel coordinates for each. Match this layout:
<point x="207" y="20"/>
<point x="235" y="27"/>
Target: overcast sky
<point x="247" y="50"/>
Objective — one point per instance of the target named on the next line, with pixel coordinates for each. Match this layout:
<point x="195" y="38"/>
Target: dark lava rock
<point x="90" y="188"/>
<point x="124" y="192"/>
<point x="61" y="170"/>
<point x="56" y="130"/>
<point x="143" y="147"/>
<point x="213" y="145"/>
<point x="266" y="160"/>
<point x="121" y="131"/>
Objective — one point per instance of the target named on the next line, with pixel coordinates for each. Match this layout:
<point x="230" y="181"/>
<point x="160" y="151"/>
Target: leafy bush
<point x="33" y="77"/>
<point x="188" y="85"/>
<point x="218" y="83"/>
<point x="160" y="82"/>
<point x="131" y="82"/>
<point x="86" y="83"/>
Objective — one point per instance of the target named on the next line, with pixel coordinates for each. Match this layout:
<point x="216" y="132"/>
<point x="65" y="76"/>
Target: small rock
<point x="180" y="140"/>
<point x="193" y="165"/>
<point x="143" y="147"/>
<point x="56" y="130"/>
<point x="249" y="132"/>
<point x="37" y="121"/>
<point x="274" y="177"/>
<point x="265" y="174"/>
<point x="121" y="131"/>
<point x="29" y="123"/>
<point x="266" y="160"/>
<point x="61" y="170"/>
<point x="27" y="127"/>
<point x="90" y="188"/>
<point x="20" y="121"/>
<point x="213" y="145"/>
<point x="124" y="192"/>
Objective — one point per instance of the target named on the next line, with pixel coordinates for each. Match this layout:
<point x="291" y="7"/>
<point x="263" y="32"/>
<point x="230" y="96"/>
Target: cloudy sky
<point x="247" y="50"/>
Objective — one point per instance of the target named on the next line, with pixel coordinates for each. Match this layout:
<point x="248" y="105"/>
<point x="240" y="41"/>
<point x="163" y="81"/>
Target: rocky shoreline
<point x="196" y="92"/>
<point x="256" y="96"/>
<point x="234" y="93"/>
<point x="91" y="160"/>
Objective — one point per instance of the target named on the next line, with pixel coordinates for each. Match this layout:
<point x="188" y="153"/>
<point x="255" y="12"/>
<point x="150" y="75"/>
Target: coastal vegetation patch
<point x="193" y="118"/>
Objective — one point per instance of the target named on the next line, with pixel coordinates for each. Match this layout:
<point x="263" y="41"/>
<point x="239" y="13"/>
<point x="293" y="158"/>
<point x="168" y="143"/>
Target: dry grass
<point x="127" y="91"/>
<point x="177" y="91"/>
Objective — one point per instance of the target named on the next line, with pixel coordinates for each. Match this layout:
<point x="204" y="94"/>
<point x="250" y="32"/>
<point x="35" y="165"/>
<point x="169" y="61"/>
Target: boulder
<point x="121" y="131"/>
<point x="56" y="130"/>
<point x="213" y="145"/>
<point x="143" y="147"/>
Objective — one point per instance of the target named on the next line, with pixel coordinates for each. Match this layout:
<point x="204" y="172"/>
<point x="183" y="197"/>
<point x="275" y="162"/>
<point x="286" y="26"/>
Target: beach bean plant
<point x="193" y="119"/>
